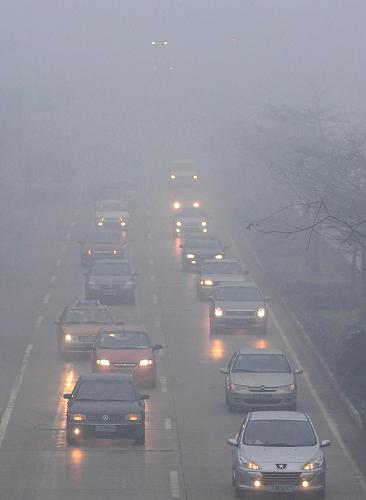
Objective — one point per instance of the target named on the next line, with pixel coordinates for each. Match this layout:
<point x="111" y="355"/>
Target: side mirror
<point x="157" y="347"/>
<point x="325" y="443"/>
<point x="58" y="323"/>
<point x="299" y="371"/>
<point x="225" y="371"/>
<point x="144" y="396"/>
<point x="232" y="442"/>
<point x="67" y="395"/>
<point x="267" y="298"/>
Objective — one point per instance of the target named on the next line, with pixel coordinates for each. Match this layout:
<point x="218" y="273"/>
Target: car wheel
<point x="70" y="439"/>
<point x="140" y="437"/>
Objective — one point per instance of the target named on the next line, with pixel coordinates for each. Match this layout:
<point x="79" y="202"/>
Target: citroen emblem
<point x="105" y="417"/>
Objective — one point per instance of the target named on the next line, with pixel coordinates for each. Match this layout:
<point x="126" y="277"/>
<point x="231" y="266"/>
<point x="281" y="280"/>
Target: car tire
<point x="230" y="407"/>
<point x="70" y="439"/>
<point x="140" y="438"/>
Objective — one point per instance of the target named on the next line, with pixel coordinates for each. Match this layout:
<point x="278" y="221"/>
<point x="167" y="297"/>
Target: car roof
<point x="278" y="415"/>
<point x="266" y="350"/>
<point x="125" y="377"/>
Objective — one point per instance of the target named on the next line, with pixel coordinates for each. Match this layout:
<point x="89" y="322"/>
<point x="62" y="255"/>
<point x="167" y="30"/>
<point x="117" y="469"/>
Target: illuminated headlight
<point x="177" y="230"/>
<point x="289" y="387"/>
<point x="115" y="252"/>
<point x="100" y="223"/>
<point x="78" y="417"/>
<point x="196" y="204"/>
<point x="207" y="282"/>
<point x="218" y="256"/>
<point x="236" y="387"/>
<point x="89" y="252"/>
<point x="172" y="176"/>
<point x="218" y="312"/>
<point x="204" y="229"/>
<point x="133" y="417"/>
<point x="190" y="256"/>
<point x="195" y="177"/>
<point x="248" y="464"/>
<point x="203" y="223"/>
<point x="145" y="362"/>
<point x="68" y="338"/>
<point x="257" y="483"/>
<point x="103" y="362"/>
<point x="178" y="223"/>
<point x="123" y="223"/>
<point x="261" y="312"/>
<point x="315" y="464"/>
<point x="176" y="205"/>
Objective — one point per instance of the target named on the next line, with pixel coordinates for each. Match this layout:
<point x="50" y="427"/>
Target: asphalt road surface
<point x="185" y="455"/>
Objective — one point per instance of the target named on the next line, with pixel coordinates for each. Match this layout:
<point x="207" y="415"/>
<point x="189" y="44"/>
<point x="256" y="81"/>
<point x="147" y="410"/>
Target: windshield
<point x="124" y="340"/>
<point x="238" y="293"/>
<point x="203" y="243"/>
<point x="261" y="363"/>
<point x="274" y="433"/>
<point x="102" y="237"/>
<point x="110" y="269"/>
<point x="110" y="206"/>
<point x="190" y="212"/>
<point x="105" y="390"/>
<point x="87" y="316"/>
<point x="222" y="268"/>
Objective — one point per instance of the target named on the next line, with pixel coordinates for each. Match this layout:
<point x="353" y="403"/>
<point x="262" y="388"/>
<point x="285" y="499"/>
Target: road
<point x="185" y="455"/>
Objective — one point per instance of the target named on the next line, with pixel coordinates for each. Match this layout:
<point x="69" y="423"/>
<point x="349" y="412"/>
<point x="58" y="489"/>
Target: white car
<point x="112" y="214"/>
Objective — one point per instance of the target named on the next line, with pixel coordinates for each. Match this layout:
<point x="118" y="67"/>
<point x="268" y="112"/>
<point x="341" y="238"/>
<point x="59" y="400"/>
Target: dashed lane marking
<point x="152" y="277"/>
<point x="157" y="322"/>
<point x="68" y="236"/>
<point x="39" y="320"/>
<point x="174" y="484"/>
<point x="163" y="384"/>
<point x="64" y="248"/>
<point x="154" y="298"/>
<point x="53" y="278"/>
<point x="58" y="262"/>
<point x="168" y="424"/>
<point x="46" y="298"/>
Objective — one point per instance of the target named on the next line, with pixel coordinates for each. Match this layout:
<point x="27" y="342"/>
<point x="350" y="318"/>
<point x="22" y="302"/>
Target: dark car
<point x="101" y="244"/>
<point x="110" y="279"/>
<point x="126" y="349"/>
<point x="107" y="406"/>
<point x="196" y="250"/>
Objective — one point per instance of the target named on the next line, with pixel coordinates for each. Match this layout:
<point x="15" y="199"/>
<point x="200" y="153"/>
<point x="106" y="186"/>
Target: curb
<point x="353" y="412"/>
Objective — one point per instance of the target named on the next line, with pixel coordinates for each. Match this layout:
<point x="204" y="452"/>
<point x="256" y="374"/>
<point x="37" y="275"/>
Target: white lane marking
<point x="157" y="322"/>
<point x="64" y="248"/>
<point x="163" y="384"/>
<point x="174" y="484"/>
<point x="14" y="393"/>
<point x="168" y="424"/>
<point x="58" y="262"/>
<point x="328" y="418"/>
<point x="39" y="321"/>
<point x="73" y="223"/>
<point x="152" y="278"/>
<point x="53" y="278"/>
<point x="154" y="298"/>
<point x="46" y="298"/>
<point x="149" y="236"/>
<point x="68" y="236"/>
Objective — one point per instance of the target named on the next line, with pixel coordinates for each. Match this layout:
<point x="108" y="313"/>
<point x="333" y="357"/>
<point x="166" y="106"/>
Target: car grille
<point x="243" y="314"/>
<point x="281" y="478"/>
<point x="92" y="418"/>
<point x="86" y="339"/>
<point x="124" y="365"/>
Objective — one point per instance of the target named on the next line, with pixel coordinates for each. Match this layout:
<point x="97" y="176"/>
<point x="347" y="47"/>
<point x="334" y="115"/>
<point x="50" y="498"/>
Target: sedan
<point x="112" y="214"/>
<point x="278" y="452"/>
<point x="127" y="349"/>
<point x="101" y="244"/>
<point x="238" y="305"/>
<point x="214" y="272"/>
<point x="106" y="406"/>
<point x="110" y="279"/>
<point x="260" y="379"/>
<point x="190" y="220"/>
<point x="198" y="249"/>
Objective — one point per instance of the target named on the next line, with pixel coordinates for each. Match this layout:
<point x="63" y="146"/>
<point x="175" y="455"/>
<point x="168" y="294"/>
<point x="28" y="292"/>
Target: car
<point x="126" y="349"/>
<point x="238" y="305"/>
<point x="189" y="220"/>
<point x="110" y="279"/>
<point x="79" y="325"/>
<point x="278" y="452"/>
<point x="186" y="198"/>
<point x="214" y="272"/>
<point x="183" y="175"/>
<point x="112" y="214"/>
<point x="101" y="244"/>
<point x="196" y="250"/>
<point x="105" y="405"/>
<point x="260" y="379"/>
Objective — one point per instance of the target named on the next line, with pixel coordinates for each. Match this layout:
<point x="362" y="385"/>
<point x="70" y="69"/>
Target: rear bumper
<point x="253" y="401"/>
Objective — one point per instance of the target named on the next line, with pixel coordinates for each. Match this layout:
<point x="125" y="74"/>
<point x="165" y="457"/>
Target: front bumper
<point x="105" y="293"/>
<point x="112" y="224"/>
<point x="103" y="430"/>
<point x="255" y="400"/>
<point x="205" y="292"/>
<point x="253" y="323"/>
<point x="189" y="230"/>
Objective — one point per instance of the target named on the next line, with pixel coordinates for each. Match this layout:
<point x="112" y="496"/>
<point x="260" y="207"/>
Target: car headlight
<point x="237" y="387"/>
<point x="68" y="337"/>
<point x="123" y="223"/>
<point x="128" y="284"/>
<point x="190" y="256"/>
<point x="178" y="223"/>
<point x="248" y="464"/>
<point x="203" y="223"/>
<point x="103" y="362"/>
<point x="218" y="256"/>
<point x="89" y="252"/>
<point x="100" y="223"/>
<point x="218" y="312"/>
<point x="176" y="205"/>
<point x="133" y="417"/>
<point x="145" y="362"/>
<point x="207" y="282"/>
<point x="261" y="312"/>
<point x="196" y="204"/>
<point x="115" y="252"/>
<point x="172" y="176"/>
<point x="289" y="387"/>
<point x="78" y="417"/>
<point x="315" y="464"/>
<point x="195" y="177"/>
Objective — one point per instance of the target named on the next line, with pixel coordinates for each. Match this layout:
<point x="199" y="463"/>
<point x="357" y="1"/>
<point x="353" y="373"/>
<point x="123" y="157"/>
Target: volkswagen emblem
<point x="105" y="417"/>
<point x="281" y="466"/>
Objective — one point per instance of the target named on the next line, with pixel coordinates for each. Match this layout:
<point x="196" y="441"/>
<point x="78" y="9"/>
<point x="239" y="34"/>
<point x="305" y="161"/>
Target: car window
<point x="110" y="269"/>
<point x="236" y="293"/>
<point x="87" y="316"/>
<point x="108" y="390"/>
<point x="286" y="433"/>
<point x="190" y="212"/>
<point x="102" y="237"/>
<point x="222" y="268"/>
<point x="110" y="206"/>
<point x="123" y="340"/>
<point x="261" y="363"/>
<point x="203" y="243"/>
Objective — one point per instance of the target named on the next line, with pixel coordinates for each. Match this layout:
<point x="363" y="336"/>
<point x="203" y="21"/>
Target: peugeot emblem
<point x="105" y="417"/>
<point x="281" y="466"/>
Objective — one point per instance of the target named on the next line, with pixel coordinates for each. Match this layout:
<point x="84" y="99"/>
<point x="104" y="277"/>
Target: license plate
<point x="105" y="428"/>
<point x="280" y="488"/>
<point x="263" y="397"/>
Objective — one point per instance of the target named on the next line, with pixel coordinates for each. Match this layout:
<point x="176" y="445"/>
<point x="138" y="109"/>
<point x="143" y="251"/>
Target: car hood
<point x="113" y="215"/>
<point x="238" y="305"/>
<point x="204" y="251"/>
<point x="261" y="379"/>
<point x="267" y="456"/>
<point x="223" y="277"/>
<point x="195" y="220"/>
<point x="105" y="407"/>
<point x="123" y="355"/>
<point x="84" y="328"/>
<point x="109" y="280"/>
<point x="101" y="246"/>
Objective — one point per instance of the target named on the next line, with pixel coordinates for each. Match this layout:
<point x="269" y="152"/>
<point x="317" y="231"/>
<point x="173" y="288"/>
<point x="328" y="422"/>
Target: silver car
<point x="278" y="452"/>
<point x="214" y="272"/>
<point x="189" y="221"/>
<point x="238" y="305"/>
<point x="260" y="379"/>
